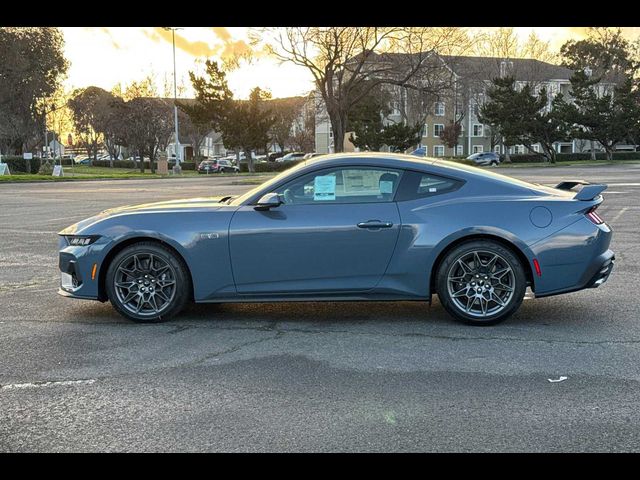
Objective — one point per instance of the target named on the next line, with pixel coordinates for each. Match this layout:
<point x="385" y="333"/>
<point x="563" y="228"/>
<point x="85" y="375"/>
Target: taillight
<point x="593" y="216"/>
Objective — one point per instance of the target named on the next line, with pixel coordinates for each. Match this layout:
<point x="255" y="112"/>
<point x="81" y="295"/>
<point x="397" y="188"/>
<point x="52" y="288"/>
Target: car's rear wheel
<point x="481" y="282"/>
<point x="147" y="282"/>
<point x="494" y="163"/>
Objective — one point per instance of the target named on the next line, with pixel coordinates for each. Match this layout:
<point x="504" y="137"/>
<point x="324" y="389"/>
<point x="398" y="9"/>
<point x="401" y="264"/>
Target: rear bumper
<point x="573" y="258"/>
<point x="602" y="275"/>
<point x="597" y="274"/>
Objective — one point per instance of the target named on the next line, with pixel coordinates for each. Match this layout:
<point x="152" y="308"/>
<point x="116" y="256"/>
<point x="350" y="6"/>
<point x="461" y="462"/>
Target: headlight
<point x="81" y="240"/>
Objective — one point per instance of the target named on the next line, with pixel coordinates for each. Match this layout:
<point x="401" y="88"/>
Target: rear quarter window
<point x="416" y="185"/>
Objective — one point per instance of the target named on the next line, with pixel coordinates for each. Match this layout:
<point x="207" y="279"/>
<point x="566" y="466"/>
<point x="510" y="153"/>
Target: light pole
<point x="175" y="94"/>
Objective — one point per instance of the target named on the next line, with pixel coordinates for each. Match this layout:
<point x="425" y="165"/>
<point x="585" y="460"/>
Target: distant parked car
<point x="485" y="158"/>
<point x="83" y="160"/>
<point x="290" y="157"/>
<point x="311" y="155"/>
<point x="217" y="166"/>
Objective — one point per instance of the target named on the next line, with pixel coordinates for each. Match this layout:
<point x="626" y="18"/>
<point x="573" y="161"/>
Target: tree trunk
<point x="141" y="155"/>
<point x="593" y="150"/>
<point x="249" y="158"/>
<point x="609" y="153"/>
<point x="338" y="127"/>
<point x="507" y="158"/>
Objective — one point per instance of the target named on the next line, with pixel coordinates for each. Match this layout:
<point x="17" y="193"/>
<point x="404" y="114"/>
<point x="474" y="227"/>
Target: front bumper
<point x="76" y="263"/>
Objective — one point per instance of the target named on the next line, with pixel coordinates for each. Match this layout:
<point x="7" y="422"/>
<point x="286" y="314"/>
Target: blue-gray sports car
<point x="357" y="226"/>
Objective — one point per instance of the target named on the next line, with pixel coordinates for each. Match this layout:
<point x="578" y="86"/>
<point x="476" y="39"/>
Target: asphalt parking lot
<point x="74" y="376"/>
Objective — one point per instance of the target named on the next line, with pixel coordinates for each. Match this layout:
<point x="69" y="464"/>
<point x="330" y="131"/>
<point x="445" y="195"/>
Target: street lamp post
<point x="175" y="94"/>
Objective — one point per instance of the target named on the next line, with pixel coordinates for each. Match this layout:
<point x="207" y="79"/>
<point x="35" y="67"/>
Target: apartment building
<point x="465" y="81"/>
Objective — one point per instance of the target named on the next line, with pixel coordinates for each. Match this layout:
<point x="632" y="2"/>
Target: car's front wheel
<point x="481" y="282"/>
<point x="147" y="282"/>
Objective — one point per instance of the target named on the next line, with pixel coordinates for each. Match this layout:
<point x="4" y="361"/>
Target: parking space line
<point x="18" y="386"/>
<point x="619" y="214"/>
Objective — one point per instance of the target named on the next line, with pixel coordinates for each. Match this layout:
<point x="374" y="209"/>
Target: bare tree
<point x="343" y="58"/>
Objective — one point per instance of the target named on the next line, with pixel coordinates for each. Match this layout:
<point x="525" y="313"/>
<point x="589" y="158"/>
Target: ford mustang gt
<point x="347" y="227"/>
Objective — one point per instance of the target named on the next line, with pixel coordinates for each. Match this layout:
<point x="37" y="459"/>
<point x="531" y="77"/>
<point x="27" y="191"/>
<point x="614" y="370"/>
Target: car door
<point x="335" y="232"/>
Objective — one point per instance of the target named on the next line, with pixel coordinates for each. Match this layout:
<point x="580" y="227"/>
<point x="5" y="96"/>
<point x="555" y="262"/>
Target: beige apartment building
<point x="467" y="80"/>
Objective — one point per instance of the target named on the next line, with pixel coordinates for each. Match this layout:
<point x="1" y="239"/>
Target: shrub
<point x="45" y="169"/>
<point x="20" y="165"/>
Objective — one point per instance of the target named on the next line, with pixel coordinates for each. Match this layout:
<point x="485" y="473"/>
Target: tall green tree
<point x="524" y="117"/>
<point x="33" y="66"/>
<point x="365" y="119"/>
<point x="606" y="116"/>
<point x="213" y="96"/>
<point x="246" y="124"/>
<point x="400" y="137"/>
<point x="603" y="64"/>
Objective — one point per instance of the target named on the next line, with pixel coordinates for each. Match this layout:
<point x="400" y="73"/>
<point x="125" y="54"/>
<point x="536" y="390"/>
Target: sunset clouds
<point x="106" y="56"/>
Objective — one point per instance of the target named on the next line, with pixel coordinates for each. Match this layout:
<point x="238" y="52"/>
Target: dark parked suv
<point x="217" y="166"/>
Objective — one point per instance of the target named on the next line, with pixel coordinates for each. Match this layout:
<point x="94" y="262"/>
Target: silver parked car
<point x="485" y="158"/>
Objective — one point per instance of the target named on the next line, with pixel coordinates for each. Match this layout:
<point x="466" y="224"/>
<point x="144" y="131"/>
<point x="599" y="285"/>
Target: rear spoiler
<point x="569" y="184"/>
<point x="587" y="192"/>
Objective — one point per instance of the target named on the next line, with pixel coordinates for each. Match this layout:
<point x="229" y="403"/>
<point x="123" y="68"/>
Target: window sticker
<point x="432" y="190"/>
<point x="386" y="186"/>
<point x="324" y="188"/>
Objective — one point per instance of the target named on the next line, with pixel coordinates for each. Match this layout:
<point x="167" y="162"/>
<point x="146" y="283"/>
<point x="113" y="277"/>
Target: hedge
<point x="269" y="166"/>
<point x="566" y="157"/>
<point x="133" y="165"/>
<point x="17" y="164"/>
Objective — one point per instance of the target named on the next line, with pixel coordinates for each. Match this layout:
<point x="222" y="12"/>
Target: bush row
<point x="133" y="165"/>
<point x="269" y="166"/>
<point x="565" y="157"/>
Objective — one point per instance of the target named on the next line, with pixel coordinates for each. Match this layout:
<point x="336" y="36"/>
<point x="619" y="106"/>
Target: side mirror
<point x="267" y="201"/>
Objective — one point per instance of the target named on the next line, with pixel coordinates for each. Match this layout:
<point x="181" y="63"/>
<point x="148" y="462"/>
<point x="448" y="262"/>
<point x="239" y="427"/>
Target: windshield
<point x="244" y="197"/>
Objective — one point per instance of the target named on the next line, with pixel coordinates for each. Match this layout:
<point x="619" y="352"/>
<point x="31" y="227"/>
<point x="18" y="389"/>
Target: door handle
<point x="375" y="224"/>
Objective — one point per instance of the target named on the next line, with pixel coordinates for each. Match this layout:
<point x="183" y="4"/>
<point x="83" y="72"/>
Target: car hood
<point x="182" y="205"/>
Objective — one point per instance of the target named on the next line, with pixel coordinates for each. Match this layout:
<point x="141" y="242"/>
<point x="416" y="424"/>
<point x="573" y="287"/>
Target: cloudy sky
<point x="107" y="56"/>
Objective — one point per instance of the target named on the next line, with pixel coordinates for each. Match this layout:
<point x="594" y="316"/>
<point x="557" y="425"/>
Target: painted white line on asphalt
<point x="17" y="386"/>
<point x="619" y="214"/>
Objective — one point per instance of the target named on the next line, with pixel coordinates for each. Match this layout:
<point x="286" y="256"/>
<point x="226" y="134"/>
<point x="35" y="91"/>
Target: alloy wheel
<point x="481" y="283"/>
<point x="145" y="284"/>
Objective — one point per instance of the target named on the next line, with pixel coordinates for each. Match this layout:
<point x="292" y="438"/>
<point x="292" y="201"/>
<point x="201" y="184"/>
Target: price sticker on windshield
<point x="324" y="188"/>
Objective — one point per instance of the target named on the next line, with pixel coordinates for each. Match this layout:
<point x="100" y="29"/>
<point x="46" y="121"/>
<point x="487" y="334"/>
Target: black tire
<point x="486" y="248"/>
<point x="177" y="297"/>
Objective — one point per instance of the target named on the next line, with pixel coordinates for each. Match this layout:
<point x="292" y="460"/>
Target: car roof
<point x="412" y="162"/>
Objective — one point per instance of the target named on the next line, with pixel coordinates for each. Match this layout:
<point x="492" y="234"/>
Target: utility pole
<point x="175" y="94"/>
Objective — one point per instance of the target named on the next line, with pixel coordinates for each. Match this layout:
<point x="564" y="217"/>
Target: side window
<point x="422" y="185"/>
<point x="342" y="185"/>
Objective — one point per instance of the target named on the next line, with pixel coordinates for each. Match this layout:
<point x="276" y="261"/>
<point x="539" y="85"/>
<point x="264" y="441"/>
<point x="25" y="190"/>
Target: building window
<point x="437" y="129"/>
<point x="477" y="129"/>
<point x="519" y="149"/>
<point x="439" y="109"/>
<point x="459" y="150"/>
<point x="425" y="130"/>
<point x="496" y="149"/>
<point x="478" y="148"/>
<point x="536" y="148"/>
<point x="438" y="150"/>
